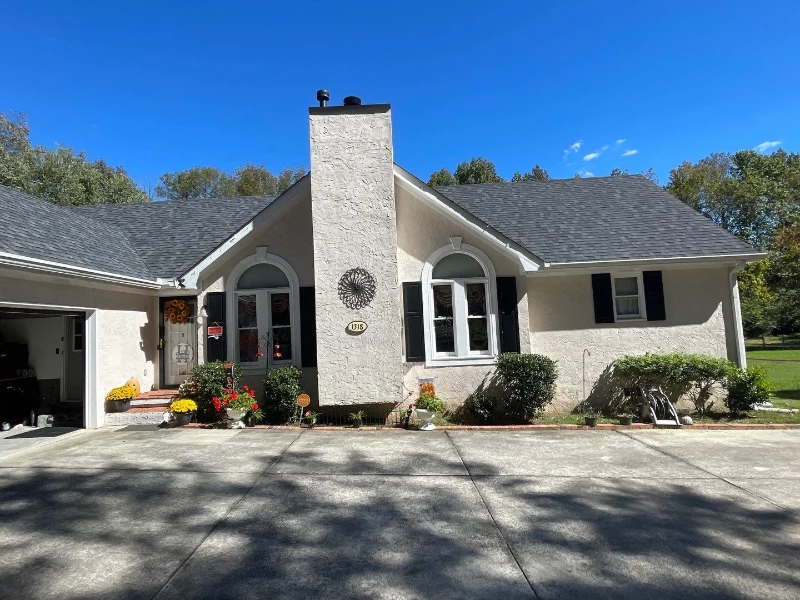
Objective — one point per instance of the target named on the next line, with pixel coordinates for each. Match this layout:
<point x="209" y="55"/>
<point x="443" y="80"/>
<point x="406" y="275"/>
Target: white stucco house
<point x="364" y="277"/>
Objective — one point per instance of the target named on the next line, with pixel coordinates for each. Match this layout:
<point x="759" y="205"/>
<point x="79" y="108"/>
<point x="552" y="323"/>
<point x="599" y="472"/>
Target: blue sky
<point x="163" y="86"/>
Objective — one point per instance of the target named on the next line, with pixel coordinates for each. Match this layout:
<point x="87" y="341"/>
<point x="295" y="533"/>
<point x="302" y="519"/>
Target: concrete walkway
<point x="393" y="514"/>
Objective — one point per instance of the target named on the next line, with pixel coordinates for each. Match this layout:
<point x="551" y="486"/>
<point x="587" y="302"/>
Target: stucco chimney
<point x="355" y="233"/>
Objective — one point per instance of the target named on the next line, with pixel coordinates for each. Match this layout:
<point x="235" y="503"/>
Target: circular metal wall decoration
<point x="356" y="288"/>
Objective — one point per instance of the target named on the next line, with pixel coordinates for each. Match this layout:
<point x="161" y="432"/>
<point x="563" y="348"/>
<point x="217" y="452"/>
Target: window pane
<point x="626" y="286"/>
<point x="77" y="343"/>
<point x="247" y="311"/>
<point x="476" y="299"/>
<point x="262" y="275"/>
<point x="457" y="266"/>
<point x="628" y="307"/>
<point x="77" y="326"/>
<point x="445" y="341"/>
<point x="280" y="309"/>
<point x="282" y="343"/>
<point x="442" y="301"/>
<point x="478" y="335"/>
<point x="248" y="345"/>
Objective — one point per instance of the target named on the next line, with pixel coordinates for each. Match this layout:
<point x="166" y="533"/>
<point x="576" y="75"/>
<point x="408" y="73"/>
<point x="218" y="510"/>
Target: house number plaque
<point x="356" y="327"/>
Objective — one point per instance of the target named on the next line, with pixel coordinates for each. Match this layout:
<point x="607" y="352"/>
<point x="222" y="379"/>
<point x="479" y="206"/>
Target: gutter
<point x="741" y="356"/>
<point x="739" y="258"/>
<point x="54" y="268"/>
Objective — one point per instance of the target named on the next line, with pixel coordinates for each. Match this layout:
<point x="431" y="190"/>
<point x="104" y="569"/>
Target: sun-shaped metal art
<point x="356" y="288"/>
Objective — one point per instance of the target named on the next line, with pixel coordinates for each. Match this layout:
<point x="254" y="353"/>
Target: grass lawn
<point x="783" y="370"/>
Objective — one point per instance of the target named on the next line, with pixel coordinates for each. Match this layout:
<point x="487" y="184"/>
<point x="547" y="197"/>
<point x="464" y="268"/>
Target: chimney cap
<point x="352" y="101"/>
<point x="322" y="97"/>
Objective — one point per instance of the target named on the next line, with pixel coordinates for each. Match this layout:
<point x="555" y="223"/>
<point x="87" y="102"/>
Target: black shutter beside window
<point x="412" y="321"/>
<point x="308" y="328"/>
<point x="216" y="349"/>
<point x="508" y="314"/>
<point x="603" y="298"/>
<point x="654" y="296"/>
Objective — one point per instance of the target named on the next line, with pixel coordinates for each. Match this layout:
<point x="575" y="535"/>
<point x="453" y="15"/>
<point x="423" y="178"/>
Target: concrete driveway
<point x="395" y="514"/>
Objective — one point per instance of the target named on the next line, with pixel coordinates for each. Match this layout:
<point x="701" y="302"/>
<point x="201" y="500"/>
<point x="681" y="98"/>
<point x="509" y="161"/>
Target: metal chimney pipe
<point x="323" y="96"/>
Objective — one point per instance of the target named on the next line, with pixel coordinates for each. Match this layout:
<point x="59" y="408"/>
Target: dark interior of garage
<point x="42" y="368"/>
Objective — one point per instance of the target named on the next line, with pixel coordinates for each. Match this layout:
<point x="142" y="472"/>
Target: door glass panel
<point x="248" y="345"/>
<point x="282" y="343"/>
<point x="280" y="309"/>
<point x="247" y="311"/>
<point x="478" y="335"/>
<point x="476" y="299"/>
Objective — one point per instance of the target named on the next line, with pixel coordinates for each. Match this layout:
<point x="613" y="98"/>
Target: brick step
<point x="158" y="395"/>
<point x="139" y="415"/>
<point x="163" y="402"/>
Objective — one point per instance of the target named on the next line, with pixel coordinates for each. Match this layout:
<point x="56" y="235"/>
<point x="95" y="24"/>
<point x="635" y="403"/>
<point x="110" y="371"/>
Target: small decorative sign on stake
<point x="215" y="331"/>
<point x="356" y="327"/>
<point x="303" y="400"/>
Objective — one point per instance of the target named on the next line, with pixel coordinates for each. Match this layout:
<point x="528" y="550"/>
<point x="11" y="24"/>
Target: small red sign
<point x="214" y="330"/>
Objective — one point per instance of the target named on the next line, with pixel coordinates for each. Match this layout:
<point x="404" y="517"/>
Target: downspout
<point x="741" y="357"/>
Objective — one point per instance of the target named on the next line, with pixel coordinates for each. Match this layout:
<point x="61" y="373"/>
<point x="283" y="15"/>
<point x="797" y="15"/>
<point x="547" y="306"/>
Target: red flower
<point x="252" y="393"/>
<point x="235" y="396"/>
<point x="227" y="391"/>
<point x="254" y="406"/>
<point x="227" y="402"/>
<point x="216" y="403"/>
<point x="247" y="388"/>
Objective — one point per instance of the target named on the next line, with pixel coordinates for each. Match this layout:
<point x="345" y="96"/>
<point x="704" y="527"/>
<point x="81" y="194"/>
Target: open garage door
<point x="42" y="367"/>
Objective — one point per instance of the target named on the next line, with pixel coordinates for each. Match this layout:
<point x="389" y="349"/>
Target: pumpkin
<point x="135" y="385"/>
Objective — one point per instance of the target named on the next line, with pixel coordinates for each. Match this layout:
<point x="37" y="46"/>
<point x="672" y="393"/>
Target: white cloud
<point x="573" y="148"/>
<point x="604" y="148"/>
<point x="764" y="146"/>
<point x="586" y="174"/>
<point x="591" y="156"/>
<point x="621" y="141"/>
<point x="630" y="152"/>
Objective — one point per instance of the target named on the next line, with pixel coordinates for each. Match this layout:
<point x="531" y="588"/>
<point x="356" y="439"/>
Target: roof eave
<point x="674" y="262"/>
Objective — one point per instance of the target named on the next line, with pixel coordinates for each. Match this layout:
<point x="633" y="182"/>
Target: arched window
<point x="460" y="306"/>
<point x="263" y="305"/>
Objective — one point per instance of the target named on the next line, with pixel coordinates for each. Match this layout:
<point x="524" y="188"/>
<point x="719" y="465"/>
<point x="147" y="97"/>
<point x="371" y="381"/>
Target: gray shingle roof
<point x="173" y="236"/>
<point x="38" y="229"/>
<point x="595" y="219"/>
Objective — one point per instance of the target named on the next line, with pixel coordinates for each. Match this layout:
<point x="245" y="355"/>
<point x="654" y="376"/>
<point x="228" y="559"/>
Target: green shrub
<point x="528" y="383"/>
<point x="746" y="388"/>
<point x="429" y="401"/>
<point x="695" y="375"/>
<point x="480" y="406"/>
<point x="281" y="389"/>
<point x="208" y="380"/>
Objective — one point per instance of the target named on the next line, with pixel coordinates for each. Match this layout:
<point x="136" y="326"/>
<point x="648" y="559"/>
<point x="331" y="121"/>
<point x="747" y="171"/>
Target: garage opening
<point x="42" y="368"/>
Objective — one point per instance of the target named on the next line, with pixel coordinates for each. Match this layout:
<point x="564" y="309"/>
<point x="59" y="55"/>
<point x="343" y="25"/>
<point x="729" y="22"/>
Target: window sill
<point x="466" y="361"/>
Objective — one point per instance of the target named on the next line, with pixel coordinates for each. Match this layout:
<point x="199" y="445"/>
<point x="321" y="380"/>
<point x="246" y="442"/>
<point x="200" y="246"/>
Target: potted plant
<point x="183" y="410"/>
<point x="625" y="419"/>
<point x="119" y="399"/>
<point x="357" y="418"/>
<point x="237" y="404"/>
<point x="312" y="418"/>
<point x="590" y="418"/>
<point x="427" y="405"/>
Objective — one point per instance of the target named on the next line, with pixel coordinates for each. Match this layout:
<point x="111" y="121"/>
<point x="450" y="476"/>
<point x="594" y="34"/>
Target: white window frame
<point x="642" y="316"/>
<point x="462" y="354"/>
<point x="263" y="311"/>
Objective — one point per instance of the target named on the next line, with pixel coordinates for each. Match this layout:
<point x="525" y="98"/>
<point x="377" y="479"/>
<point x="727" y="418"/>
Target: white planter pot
<point x="236" y="417"/>
<point x="425" y="417"/>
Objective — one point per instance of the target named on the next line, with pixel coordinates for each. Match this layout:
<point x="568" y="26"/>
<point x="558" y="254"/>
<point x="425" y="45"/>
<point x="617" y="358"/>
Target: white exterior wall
<point x="421" y="230"/>
<point x="353" y="214"/>
<point x="699" y="320"/>
<point x="125" y="326"/>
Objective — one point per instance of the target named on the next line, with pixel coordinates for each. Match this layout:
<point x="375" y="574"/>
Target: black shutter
<point x="308" y="328"/>
<point x="413" y="322"/>
<point x="654" y="296"/>
<point x="215" y="307"/>
<point x="603" y="298"/>
<point x="508" y="317"/>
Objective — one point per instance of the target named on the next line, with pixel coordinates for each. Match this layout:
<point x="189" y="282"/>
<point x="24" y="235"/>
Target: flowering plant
<point x="124" y="392"/>
<point x="243" y="400"/>
<point x="428" y="400"/>
<point x="183" y="405"/>
<point x="311" y="415"/>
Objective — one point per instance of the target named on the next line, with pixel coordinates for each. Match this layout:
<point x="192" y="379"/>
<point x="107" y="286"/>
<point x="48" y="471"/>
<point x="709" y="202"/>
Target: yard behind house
<point x="781" y="360"/>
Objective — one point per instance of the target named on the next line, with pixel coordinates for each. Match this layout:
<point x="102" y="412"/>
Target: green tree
<point x="785" y="275"/>
<point x="441" y="177"/>
<point x="537" y="173"/>
<point x="210" y="182"/>
<point x="478" y="170"/>
<point x="617" y="172"/>
<point x="59" y="175"/>
<point x="759" y="307"/>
